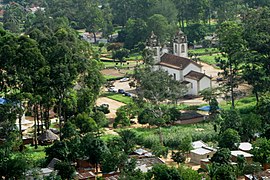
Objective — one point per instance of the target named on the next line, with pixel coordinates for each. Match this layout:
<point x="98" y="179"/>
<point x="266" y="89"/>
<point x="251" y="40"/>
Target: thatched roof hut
<point x="48" y="136"/>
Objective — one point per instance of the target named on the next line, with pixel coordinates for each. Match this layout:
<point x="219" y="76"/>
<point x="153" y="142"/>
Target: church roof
<point x="176" y="62"/>
<point x="195" y="75"/>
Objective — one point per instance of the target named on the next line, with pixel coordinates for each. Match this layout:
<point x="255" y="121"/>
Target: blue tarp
<point x="205" y="108"/>
<point x="3" y="101"/>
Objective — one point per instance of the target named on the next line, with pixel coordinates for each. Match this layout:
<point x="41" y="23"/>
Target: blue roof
<point x="3" y="101"/>
<point x="205" y="108"/>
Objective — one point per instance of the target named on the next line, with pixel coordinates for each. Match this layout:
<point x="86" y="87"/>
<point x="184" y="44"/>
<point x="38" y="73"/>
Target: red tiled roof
<point x="176" y="62"/>
<point x="195" y="75"/>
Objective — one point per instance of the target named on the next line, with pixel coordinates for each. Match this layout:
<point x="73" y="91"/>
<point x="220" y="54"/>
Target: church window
<point x="183" y="48"/>
<point x="175" y="48"/>
<point x="174" y="76"/>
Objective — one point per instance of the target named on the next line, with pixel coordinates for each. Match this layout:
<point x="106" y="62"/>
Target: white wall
<point x="191" y="67"/>
<point x="172" y="71"/>
<point x="205" y="82"/>
<point x="194" y="87"/>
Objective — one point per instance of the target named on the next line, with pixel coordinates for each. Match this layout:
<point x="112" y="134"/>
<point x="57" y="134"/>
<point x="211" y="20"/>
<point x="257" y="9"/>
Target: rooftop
<point x="238" y="153"/>
<point x="195" y="75"/>
<point x="176" y="62"/>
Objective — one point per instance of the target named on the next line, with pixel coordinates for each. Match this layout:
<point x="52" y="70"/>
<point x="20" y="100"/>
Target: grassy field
<point x="35" y="154"/>
<point x="118" y="97"/>
<point x="208" y="59"/>
<point x="119" y="65"/>
<point x="203" y="51"/>
<point x="172" y="135"/>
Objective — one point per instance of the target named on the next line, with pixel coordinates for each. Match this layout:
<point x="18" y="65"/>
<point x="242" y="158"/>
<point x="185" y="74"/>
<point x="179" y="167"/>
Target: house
<point x="178" y="65"/>
<point x="199" y="154"/>
<point x="146" y="164"/>
<point x="43" y="172"/>
<point x="236" y="153"/>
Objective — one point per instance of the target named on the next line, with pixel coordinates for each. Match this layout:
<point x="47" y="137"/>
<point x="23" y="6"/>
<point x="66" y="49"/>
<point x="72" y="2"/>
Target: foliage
<point x="135" y="33"/>
<point x="121" y="117"/>
<point x="58" y="150"/>
<point x="163" y="172"/>
<point x="232" y="45"/>
<point x="263" y="109"/>
<point x="222" y="156"/>
<point x="157" y="86"/>
<point x="100" y="119"/>
<point x="127" y="137"/>
<point x="120" y="54"/>
<point x="69" y="130"/>
<point x="261" y="150"/>
<point x="231" y="119"/>
<point x="85" y="123"/>
<point x="229" y="139"/>
<point x="178" y="157"/>
<point x="93" y="148"/>
<point x="65" y="170"/>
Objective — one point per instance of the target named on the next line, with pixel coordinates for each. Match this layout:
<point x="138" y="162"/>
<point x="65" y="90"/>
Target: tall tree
<point x="232" y="46"/>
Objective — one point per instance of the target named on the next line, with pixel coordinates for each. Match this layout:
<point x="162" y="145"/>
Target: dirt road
<point x="113" y="105"/>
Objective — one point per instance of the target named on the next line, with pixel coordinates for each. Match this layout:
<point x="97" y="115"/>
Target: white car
<point x="112" y="89"/>
<point x="124" y="79"/>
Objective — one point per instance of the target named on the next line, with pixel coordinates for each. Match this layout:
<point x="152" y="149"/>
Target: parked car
<point x="127" y="94"/>
<point x="124" y="79"/>
<point x="121" y="91"/>
<point x="112" y="89"/>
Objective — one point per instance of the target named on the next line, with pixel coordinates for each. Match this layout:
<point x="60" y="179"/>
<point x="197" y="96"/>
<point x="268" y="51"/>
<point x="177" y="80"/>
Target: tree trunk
<point x="160" y="136"/>
<point x="231" y="86"/>
<point x="41" y="117"/>
<point x="257" y="97"/>
<point x="35" y="129"/>
<point x="38" y="125"/>
<point x="60" y="117"/>
<point x="95" y="37"/>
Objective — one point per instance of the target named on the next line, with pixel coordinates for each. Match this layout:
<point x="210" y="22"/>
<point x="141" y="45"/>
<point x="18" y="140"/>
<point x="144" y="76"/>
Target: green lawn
<point x="244" y="105"/>
<point x="35" y="154"/>
<point x="118" y="97"/>
<point x="119" y="65"/>
<point x="208" y="59"/>
<point x="110" y="77"/>
<point x="203" y="51"/>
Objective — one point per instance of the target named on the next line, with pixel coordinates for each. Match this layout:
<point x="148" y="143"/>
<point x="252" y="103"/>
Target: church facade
<point x="178" y="65"/>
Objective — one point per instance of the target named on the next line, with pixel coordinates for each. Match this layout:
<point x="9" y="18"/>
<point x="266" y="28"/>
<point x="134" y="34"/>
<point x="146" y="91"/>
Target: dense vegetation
<point x="45" y="65"/>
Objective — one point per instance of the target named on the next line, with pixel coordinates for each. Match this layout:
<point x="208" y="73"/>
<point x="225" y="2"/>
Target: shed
<point x="198" y="144"/>
<point x="201" y="153"/>
<point x="245" y="146"/>
<point x="86" y="176"/>
<point x="247" y="156"/>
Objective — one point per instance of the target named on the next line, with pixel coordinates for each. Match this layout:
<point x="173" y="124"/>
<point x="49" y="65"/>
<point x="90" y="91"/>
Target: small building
<point x="146" y="164"/>
<point x="84" y="166"/>
<point x="141" y="153"/>
<point x="86" y="176"/>
<point x="47" y="137"/>
<point x="196" y="155"/>
<point x="247" y="156"/>
<point x="245" y="146"/>
<point x="198" y="144"/>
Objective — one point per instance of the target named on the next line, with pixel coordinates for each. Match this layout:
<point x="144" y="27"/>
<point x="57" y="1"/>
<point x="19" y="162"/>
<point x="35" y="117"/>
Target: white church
<point x="178" y="65"/>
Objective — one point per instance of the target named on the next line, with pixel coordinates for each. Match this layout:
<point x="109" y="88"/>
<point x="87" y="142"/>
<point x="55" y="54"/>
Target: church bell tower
<point x="153" y="45"/>
<point x="180" y="45"/>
